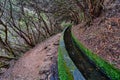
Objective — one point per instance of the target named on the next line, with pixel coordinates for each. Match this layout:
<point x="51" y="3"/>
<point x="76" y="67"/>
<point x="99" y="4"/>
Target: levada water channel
<point x="85" y="66"/>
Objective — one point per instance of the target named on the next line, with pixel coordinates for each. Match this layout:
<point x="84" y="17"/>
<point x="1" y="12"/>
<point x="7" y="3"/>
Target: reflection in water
<point x="86" y="67"/>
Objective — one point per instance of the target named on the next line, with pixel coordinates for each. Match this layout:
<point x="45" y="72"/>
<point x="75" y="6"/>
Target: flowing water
<point x="85" y="66"/>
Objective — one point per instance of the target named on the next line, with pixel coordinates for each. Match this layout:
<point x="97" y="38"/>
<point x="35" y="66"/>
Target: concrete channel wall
<point x="66" y="68"/>
<point x="107" y="68"/>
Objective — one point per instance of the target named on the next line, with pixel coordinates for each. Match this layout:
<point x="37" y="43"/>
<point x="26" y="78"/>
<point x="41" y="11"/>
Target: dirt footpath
<point x="40" y="63"/>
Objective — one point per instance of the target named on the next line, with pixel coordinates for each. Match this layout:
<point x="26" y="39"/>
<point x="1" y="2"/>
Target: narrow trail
<point x="40" y="63"/>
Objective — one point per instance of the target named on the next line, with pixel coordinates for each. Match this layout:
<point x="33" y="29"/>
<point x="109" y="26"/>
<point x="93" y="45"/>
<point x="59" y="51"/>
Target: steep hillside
<point x="103" y="34"/>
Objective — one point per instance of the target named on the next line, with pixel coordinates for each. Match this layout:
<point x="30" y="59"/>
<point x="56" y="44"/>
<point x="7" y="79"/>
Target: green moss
<point x="108" y="68"/>
<point x="64" y="24"/>
<point x="64" y="72"/>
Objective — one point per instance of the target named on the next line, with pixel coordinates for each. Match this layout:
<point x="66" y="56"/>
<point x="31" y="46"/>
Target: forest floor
<point x="40" y="63"/>
<point x="103" y="35"/>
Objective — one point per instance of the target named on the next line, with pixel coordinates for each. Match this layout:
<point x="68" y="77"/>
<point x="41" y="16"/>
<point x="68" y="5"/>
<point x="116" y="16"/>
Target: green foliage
<point x="64" y="24"/>
<point x="1" y="64"/>
<point x="23" y="26"/>
<point x="108" y="68"/>
<point x="82" y="16"/>
<point x="43" y="15"/>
